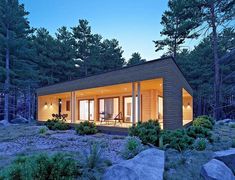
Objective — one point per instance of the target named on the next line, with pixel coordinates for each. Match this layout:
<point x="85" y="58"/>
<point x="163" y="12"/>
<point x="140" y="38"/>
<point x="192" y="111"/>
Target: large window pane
<point x="128" y="108"/>
<point x="108" y="108"/>
<point x="83" y="106"/>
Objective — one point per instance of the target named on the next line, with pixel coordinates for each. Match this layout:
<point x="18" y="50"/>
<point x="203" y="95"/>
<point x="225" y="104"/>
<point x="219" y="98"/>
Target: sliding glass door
<point x="86" y="110"/>
<point x="128" y="109"/>
<point x="108" y="108"/>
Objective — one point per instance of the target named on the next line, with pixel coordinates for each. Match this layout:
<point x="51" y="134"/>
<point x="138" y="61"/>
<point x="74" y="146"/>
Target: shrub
<point x="199" y="132"/>
<point x="200" y="144"/>
<point x="233" y="143"/>
<point x="92" y="164"/>
<point x="43" y="130"/>
<point x="57" y="124"/>
<point x="132" y="147"/>
<point x="86" y="127"/>
<point x="232" y="125"/>
<point x="209" y="118"/>
<point x="42" y="167"/>
<point x="177" y="139"/>
<point x="148" y="132"/>
<point x="202" y="122"/>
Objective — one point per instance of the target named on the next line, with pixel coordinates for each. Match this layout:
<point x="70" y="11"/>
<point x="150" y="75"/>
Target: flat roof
<point x="157" y="68"/>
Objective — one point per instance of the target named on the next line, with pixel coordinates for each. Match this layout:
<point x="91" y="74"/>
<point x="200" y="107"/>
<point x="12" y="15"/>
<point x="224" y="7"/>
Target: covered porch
<point x="121" y="105"/>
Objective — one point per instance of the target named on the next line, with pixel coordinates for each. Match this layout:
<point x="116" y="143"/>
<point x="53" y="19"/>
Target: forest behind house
<point x="32" y="57"/>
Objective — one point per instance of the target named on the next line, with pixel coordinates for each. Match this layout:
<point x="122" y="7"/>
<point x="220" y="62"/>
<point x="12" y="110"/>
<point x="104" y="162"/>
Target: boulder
<point x="227" y="157"/>
<point x="226" y="121"/>
<point x="19" y="120"/>
<point x="216" y="170"/>
<point x="149" y="165"/>
<point x="4" y="123"/>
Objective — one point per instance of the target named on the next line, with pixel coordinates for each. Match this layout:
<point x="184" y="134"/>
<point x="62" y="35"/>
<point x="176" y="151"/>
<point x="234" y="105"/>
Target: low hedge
<point x="177" y="139"/>
<point x="57" y="124"/>
<point x="148" y="132"/>
<point x="202" y="122"/>
<point x="86" y="127"/>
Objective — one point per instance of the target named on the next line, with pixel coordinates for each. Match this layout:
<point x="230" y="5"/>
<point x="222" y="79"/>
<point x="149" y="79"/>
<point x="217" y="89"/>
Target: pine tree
<point x="135" y="59"/>
<point x="178" y="25"/>
<point x="65" y="59"/>
<point x="14" y="31"/>
<point x="46" y="51"/>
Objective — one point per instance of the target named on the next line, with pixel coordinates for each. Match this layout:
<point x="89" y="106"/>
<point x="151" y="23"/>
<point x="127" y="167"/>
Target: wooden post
<point x="139" y="102"/>
<point x="73" y="106"/>
<point x="133" y="103"/>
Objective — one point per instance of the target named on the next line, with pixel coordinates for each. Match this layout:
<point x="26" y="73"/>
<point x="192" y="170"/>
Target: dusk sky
<point x="135" y="24"/>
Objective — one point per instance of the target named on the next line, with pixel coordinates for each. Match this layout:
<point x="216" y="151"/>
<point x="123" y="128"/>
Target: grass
<point x="187" y="165"/>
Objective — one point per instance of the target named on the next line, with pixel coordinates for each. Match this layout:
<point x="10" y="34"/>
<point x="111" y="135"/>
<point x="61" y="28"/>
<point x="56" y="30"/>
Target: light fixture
<point x="45" y="104"/>
<point x="51" y="104"/>
<point x="188" y="105"/>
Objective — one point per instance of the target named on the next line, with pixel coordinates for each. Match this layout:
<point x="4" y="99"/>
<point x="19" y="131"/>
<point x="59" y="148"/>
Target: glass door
<point x="128" y="109"/>
<point x="86" y="110"/>
<point x="108" y="108"/>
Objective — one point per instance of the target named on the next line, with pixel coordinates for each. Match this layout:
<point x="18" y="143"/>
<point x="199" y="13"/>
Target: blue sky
<point x="134" y="23"/>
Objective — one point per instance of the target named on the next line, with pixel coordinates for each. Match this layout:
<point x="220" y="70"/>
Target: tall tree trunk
<point x="29" y="102"/>
<point x="216" y="111"/>
<point x="7" y="81"/>
<point x="199" y="106"/>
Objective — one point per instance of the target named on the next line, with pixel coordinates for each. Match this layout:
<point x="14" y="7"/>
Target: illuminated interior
<point x="187" y="107"/>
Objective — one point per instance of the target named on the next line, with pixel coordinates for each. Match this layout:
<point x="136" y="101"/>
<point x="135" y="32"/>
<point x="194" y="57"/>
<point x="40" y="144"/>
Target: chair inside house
<point x="108" y="118"/>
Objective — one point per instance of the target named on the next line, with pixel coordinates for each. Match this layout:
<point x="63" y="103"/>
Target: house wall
<point x="187" y="109"/>
<point x="148" y="104"/>
<point x="45" y="111"/>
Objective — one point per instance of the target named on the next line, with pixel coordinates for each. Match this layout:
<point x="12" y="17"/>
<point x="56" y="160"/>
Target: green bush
<point x="207" y="117"/>
<point x="148" y="132"/>
<point x="233" y="143"/>
<point x="92" y="163"/>
<point x="200" y="144"/>
<point x="202" y="122"/>
<point x="232" y="125"/>
<point x="86" y="127"/>
<point x="42" y="167"/>
<point x="43" y="130"/>
<point x="199" y="132"/>
<point x="57" y="124"/>
<point x="177" y="139"/>
<point x="132" y="147"/>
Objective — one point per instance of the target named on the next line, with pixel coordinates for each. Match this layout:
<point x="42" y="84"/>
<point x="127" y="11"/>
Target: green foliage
<point x="177" y="139"/>
<point x="86" y="127"/>
<point x="135" y="59"/>
<point x="43" y="130"/>
<point x="232" y="125"/>
<point x="148" y="132"/>
<point x="56" y="124"/>
<point x="42" y="167"/>
<point x="200" y="144"/>
<point x="202" y="122"/>
<point x="178" y="23"/>
<point x="199" y="132"/>
<point x="233" y="143"/>
<point x="209" y="118"/>
<point x="132" y="147"/>
<point x="92" y="163"/>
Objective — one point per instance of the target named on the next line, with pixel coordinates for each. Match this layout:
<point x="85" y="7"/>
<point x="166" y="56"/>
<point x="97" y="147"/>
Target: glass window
<point x="128" y="108"/>
<point x="108" y="108"/>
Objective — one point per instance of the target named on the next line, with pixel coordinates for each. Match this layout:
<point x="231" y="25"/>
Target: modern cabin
<point x="154" y="90"/>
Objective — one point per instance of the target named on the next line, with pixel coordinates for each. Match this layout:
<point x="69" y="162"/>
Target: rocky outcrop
<point x="226" y="121"/>
<point x="221" y="167"/>
<point x="216" y="170"/>
<point x="227" y="157"/>
<point x="19" y="120"/>
<point x="149" y="165"/>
